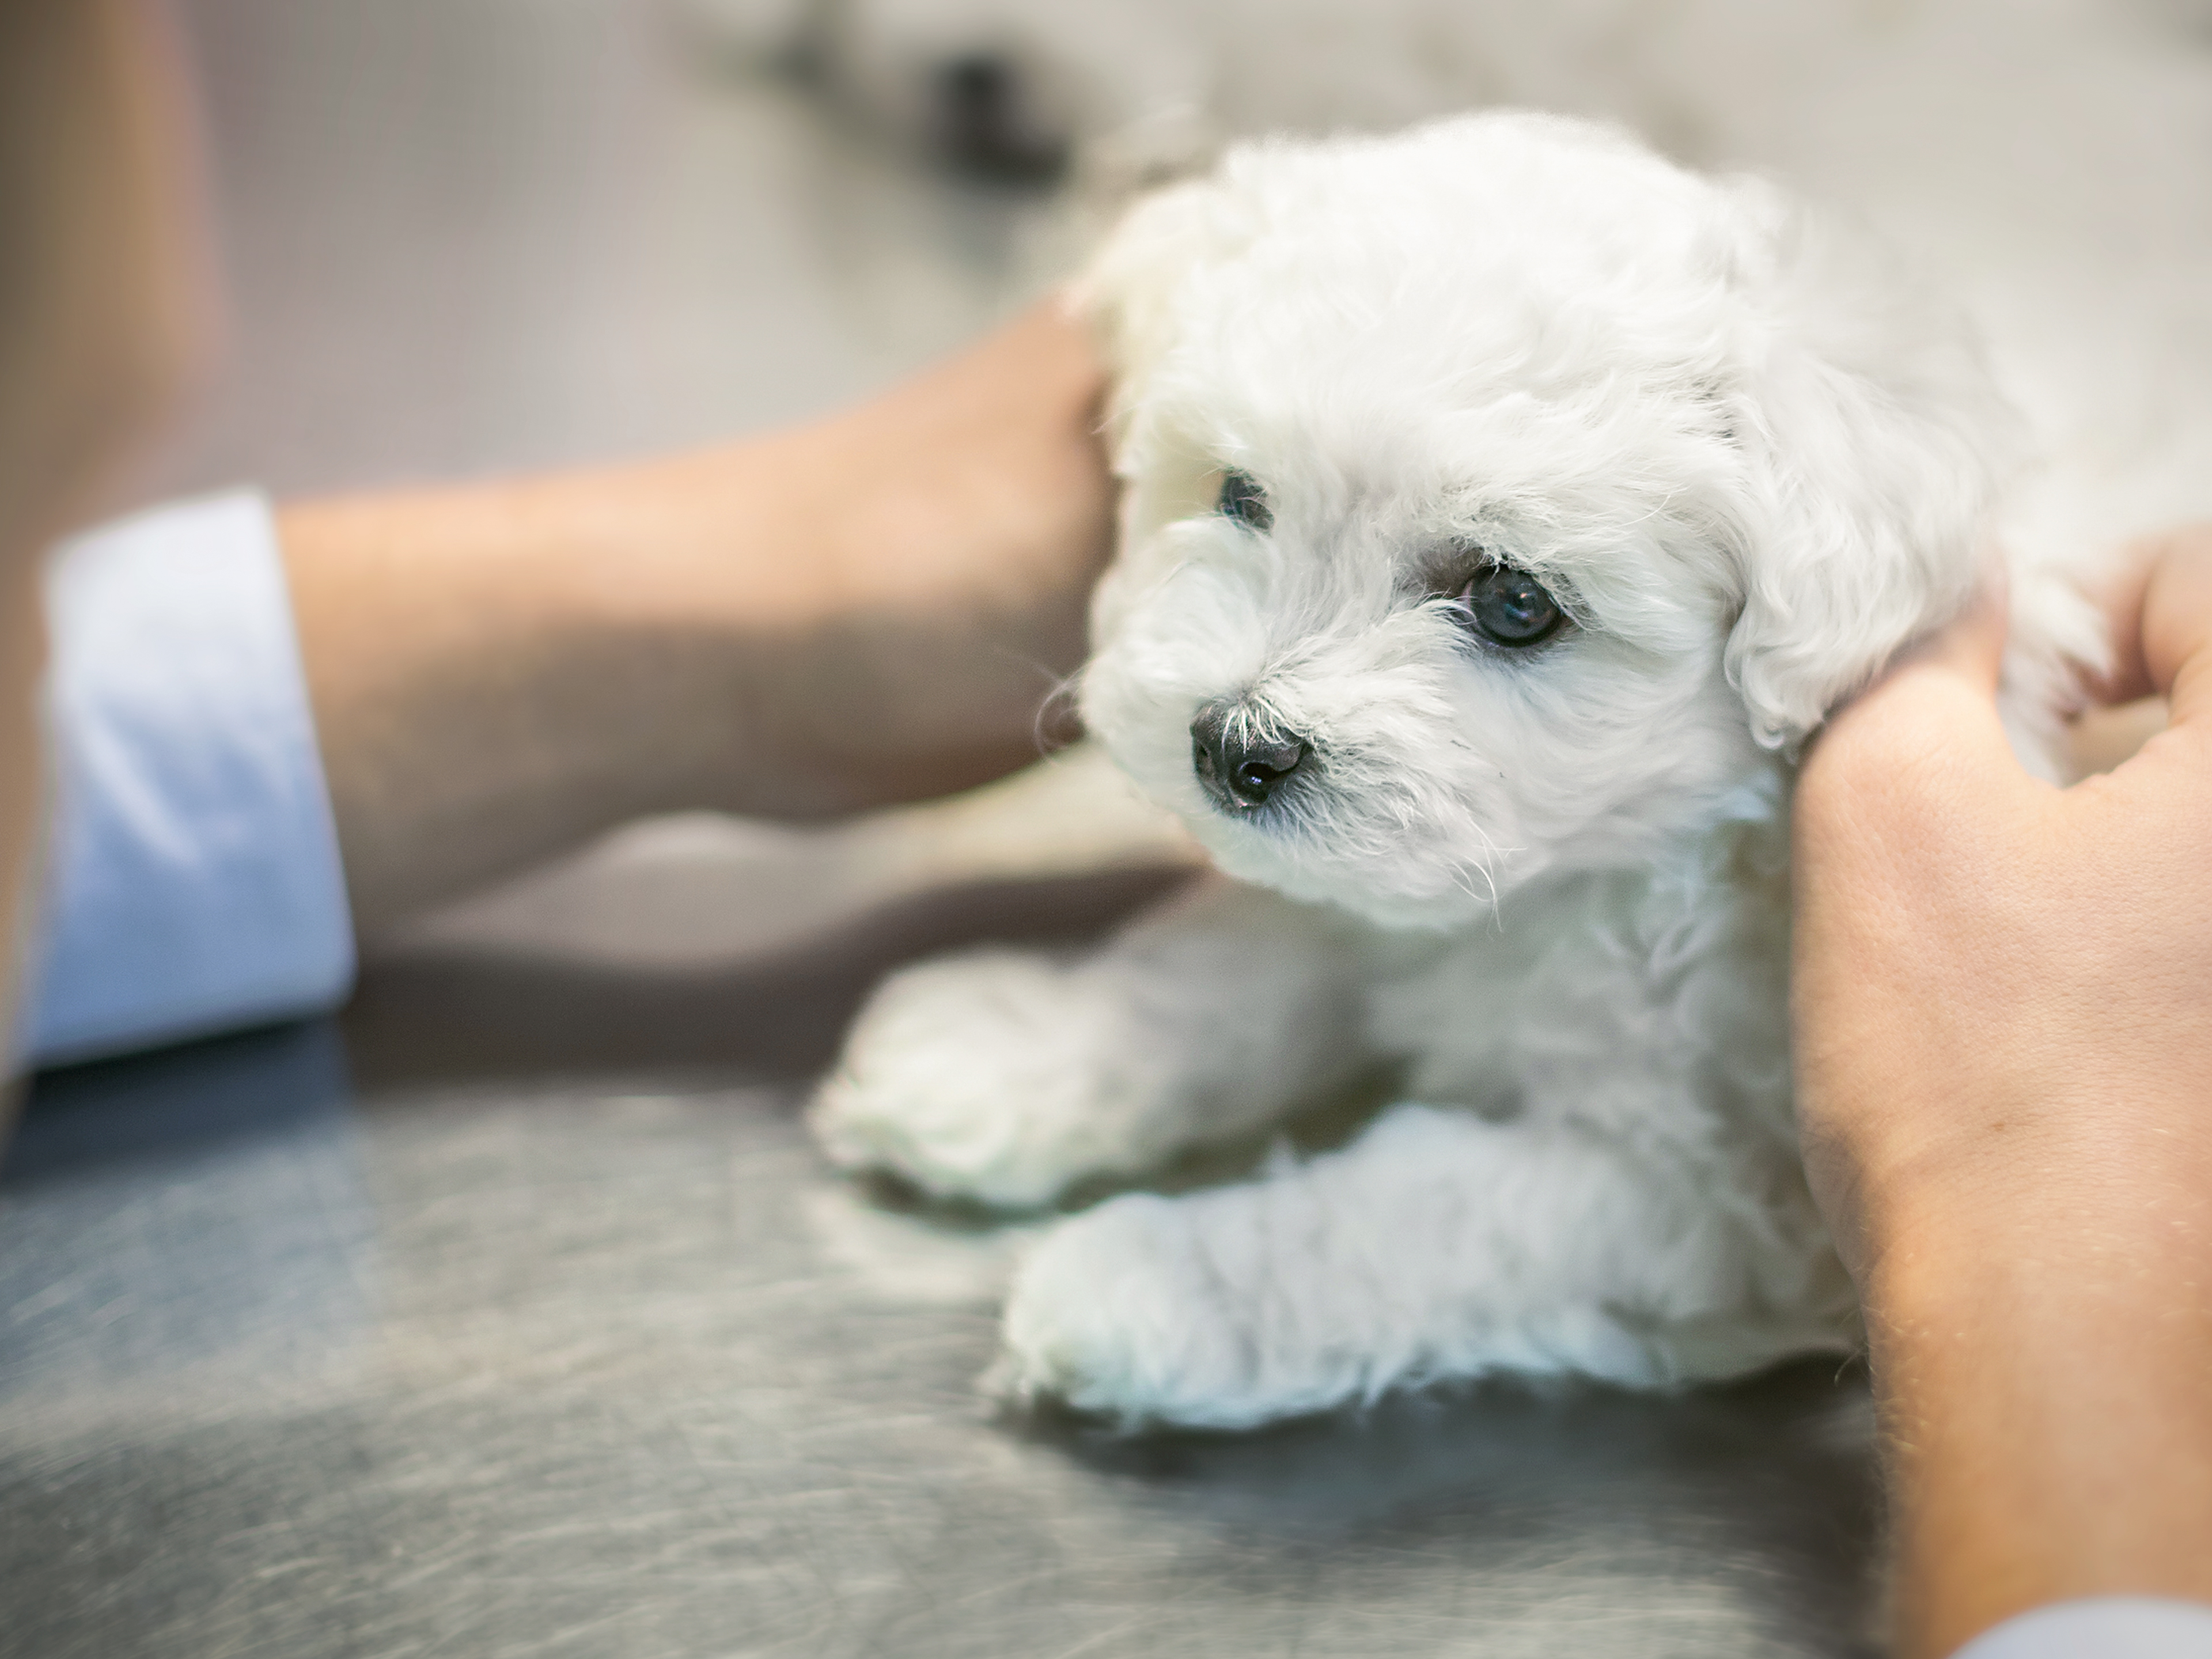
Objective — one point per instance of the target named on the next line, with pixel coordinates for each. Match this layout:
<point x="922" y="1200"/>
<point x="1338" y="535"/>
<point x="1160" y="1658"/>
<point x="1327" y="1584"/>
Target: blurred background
<point x="512" y="1313"/>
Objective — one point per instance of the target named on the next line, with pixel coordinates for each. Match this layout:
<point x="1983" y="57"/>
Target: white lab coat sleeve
<point x="2100" y="1628"/>
<point x="192" y="881"/>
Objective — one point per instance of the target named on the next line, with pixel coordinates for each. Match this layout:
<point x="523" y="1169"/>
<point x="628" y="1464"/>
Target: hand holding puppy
<point x="2002" y="1013"/>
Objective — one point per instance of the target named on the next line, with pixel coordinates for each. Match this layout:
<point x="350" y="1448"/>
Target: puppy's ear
<point x="1134" y="286"/>
<point x="1877" y="440"/>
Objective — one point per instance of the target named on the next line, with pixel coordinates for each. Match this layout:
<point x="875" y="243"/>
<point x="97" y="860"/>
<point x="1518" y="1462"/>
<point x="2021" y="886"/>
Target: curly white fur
<point x="1752" y="458"/>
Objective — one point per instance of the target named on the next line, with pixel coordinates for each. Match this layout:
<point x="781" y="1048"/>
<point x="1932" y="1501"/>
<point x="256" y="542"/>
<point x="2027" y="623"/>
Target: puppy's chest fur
<point x="1648" y="1006"/>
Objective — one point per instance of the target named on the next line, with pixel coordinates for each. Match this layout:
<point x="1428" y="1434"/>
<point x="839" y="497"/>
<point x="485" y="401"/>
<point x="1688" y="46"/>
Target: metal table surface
<point x="511" y="1314"/>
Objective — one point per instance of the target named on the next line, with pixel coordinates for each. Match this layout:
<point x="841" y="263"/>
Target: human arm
<point x="869" y="610"/>
<point x="2002" y="1004"/>
<point x="863" y="611"/>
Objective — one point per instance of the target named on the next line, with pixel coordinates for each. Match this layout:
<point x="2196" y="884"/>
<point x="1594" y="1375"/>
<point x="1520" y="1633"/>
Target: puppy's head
<point x="1500" y="498"/>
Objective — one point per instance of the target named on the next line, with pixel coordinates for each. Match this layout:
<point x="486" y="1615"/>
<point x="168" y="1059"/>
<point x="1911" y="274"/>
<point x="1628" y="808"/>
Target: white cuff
<point x="2104" y="1627"/>
<point x="193" y="879"/>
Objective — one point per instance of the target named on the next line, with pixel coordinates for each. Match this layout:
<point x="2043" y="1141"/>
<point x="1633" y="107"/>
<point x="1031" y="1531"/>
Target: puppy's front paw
<point x="1000" y="1077"/>
<point x="1144" y="1311"/>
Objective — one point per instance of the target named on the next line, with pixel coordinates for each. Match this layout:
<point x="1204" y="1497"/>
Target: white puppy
<point x="1502" y="507"/>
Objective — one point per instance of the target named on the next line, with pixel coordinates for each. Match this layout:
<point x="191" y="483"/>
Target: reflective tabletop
<point x="603" y="1362"/>
<point x="510" y="1312"/>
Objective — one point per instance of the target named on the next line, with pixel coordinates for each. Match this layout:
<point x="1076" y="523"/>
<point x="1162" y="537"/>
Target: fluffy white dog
<point x="1502" y="506"/>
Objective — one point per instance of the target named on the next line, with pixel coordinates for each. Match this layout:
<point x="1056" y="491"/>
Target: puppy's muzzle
<point x="1242" y="758"/>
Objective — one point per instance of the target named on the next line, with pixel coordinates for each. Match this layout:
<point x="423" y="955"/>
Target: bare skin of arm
<point x="868" y="611"/>
<point x="2003" y="1017"/>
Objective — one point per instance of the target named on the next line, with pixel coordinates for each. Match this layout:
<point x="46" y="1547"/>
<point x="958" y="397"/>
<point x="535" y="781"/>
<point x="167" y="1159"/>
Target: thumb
<point x="1897" y="770"/>
<point x="1941" y="691"/>
<point x="1970" y="648"/>
<point x="2176" y="627"/>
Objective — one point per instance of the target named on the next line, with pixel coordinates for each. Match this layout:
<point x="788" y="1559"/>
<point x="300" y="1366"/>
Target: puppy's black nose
<point x="1243" y="761"/>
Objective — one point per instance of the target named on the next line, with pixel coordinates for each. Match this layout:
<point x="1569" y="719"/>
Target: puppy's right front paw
<point x="999" y="1077"/>
<point x="1149" y="1309"/>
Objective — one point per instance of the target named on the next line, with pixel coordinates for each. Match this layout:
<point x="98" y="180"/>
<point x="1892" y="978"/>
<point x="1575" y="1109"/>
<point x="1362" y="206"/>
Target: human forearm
<point x="2045" y="1426"/>
<point x="496" y="675"/>
<point x="868" y="611"/>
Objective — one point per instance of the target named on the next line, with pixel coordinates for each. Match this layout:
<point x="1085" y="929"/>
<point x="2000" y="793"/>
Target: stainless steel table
<point x="513" y="1314"/>
<point x="513" y="1359"/>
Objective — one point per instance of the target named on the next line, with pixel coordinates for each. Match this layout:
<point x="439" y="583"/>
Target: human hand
<point x="866" y="611"/>
<point x="927" y="578"/>
<point x="1995" y="978"/>
<point x="2002" y="1013"/>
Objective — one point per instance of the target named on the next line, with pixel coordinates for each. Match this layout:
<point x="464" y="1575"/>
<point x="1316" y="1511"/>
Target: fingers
<point x="2173" y="632"/>
<point x="2122" y="601"/>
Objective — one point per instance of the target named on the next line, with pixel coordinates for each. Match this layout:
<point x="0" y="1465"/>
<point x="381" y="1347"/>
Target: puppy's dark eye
<point x="1510" y="607"/>
<point x="1242" y="499"/>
